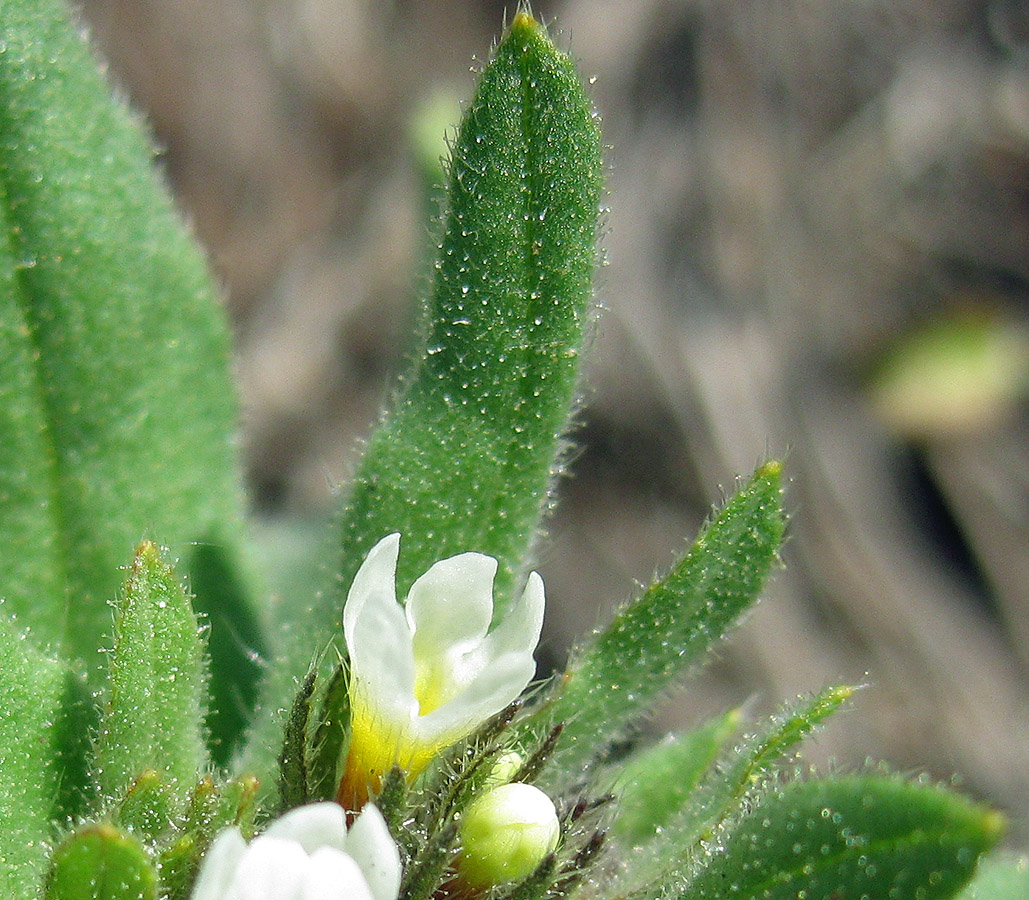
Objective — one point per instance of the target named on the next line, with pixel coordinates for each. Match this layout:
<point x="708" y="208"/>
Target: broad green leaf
<point x="118" y="412"/>
<point x="655" y="783"/>
<point x="31" y="686"/>
<point x="101" y="863"/>
<point x="999" y="877"/>
<point x="847" y="837"/>
<point x="654" y="641"/>
<point x="466" y="459"/>
<point x="154" y="715"/>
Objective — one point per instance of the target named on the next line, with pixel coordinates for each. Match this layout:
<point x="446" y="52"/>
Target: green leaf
<point x="718" y="793"/>
<point x="331" y="737"/>
<point x="118" y="412"/>
<point x="655" y="783"/>
<point x="31" y="687"/>
<point x="146" y="810"/>
<point x="654" y="641"/>
<point x="848" y="837"/>
<point x="101" y="863"/>
<point x="999" y="877"/>
<point x="466" y="459"/>
<point x="154" y="716"/>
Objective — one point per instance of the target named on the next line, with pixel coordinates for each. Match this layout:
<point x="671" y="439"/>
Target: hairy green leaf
<point x="154" y="716"/>
<point x="117" y="412"/>
<point x="654" y="641"/>
<point x="718" y="792"/>
<point x="847" y="837"/>
<point x="31" y="686"/>
<point x="466" y="459"/>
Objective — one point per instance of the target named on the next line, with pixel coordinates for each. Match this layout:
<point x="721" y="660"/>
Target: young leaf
<point x="154" y="716"/>
<point x="466" y="459"/>
<point x="719" y="792"/>
<point x="848" y="837"/>
<point x="118" y="408"/>
<point x="101" y="863"/>
<point x="655" y="783"/>
<point x="655" y="640"/>
<point x="31" y="685"/>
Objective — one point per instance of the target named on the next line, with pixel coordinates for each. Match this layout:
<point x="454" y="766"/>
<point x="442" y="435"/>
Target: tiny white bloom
<point x="426" y="674"/>
<point x="306" y="855"/>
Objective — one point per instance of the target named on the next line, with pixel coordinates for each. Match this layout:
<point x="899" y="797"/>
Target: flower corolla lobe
<point x="307" y="854"/>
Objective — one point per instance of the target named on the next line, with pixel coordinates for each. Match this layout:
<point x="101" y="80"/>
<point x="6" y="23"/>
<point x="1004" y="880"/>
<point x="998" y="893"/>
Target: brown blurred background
<point x="817" y="244"/>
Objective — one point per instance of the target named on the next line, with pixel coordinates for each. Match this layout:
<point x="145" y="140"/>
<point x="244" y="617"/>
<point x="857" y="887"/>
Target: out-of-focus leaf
<point x="655" y="783"/>
<point x="999" y="877"/>
<point x="31" y="687"/>
<point x="117" y="411"/>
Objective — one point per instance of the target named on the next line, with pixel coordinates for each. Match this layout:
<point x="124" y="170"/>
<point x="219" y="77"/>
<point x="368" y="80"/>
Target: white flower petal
<point x="272" y="869"/>
<point x="378" y="637"/>
<point x="312" y="826"/>
<point x="451" y="604"/>
<point x="332" y="875"/>
<point x="374" y="850"/>
<point x="220" y="866"/>
<point x="519" y="630"/>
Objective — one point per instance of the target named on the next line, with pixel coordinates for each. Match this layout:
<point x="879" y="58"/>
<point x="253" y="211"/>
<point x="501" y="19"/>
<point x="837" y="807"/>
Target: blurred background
<point x="817" y="245"/>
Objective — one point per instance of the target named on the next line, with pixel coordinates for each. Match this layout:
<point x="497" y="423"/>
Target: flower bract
<point x="308" y="854"/>
<point x="426" y="674"/>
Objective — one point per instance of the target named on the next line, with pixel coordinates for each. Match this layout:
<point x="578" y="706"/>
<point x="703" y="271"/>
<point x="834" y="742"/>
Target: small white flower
<point x="426" y="674"/>
<point x="306" y="855"/>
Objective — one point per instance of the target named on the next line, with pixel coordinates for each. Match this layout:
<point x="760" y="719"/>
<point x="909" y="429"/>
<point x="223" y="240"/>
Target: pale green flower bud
<point x="505" y="768"/>
<point x="505" y="835"/>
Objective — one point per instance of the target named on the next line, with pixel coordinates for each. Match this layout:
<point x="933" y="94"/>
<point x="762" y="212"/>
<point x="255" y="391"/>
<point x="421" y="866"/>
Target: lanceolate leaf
<point x="154" y="717"/>
<point x="654" y="641"/>
<point x="466" y="459"/>
<point x="847" y="837"/>
<point x="118" y="413"/>
<point x="31" y="685"/>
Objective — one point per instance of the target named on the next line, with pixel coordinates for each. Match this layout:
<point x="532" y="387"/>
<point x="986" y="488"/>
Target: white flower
<point x="424" y="675"/>
<point x="306" y="855"/>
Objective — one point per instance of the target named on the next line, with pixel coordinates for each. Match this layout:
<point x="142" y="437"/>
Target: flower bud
<point x="505" y="835"/>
